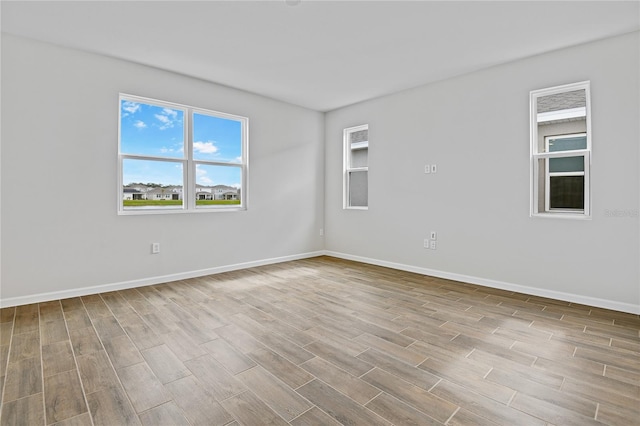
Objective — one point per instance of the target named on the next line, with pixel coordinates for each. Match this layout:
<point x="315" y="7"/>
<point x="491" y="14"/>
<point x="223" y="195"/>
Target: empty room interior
<point x="302" y="212"/>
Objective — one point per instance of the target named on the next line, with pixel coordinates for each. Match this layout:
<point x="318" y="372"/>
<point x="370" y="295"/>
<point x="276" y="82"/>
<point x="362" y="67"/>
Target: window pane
<point x="151" y="184"/>
<point x="566" y="164"/>
<point x="567" y="143"/>
<point x="359" y="136"/>
<point x="358" y="189"/>
<point x="218" y="185"/>
<point x="151" y="130"/>
<point x="359" y="157"/>
<point x="566" y="192"/>
<point x="217" y="139"/>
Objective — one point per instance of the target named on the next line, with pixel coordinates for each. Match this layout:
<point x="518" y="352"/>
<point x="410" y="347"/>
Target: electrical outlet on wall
<point x="155" y="248"/>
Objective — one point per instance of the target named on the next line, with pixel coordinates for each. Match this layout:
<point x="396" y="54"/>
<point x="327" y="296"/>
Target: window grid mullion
<point x="560" y="174"/>
<point x="217" y="163"/>
<point x="358" y="169"/>
<point x="189" y="184"/>
<point x="152" y="158"/>
<point x="561" y="154"/>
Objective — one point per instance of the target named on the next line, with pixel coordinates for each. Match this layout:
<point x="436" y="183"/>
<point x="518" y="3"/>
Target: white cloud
<point x="139" y="124"/>
<point x="163" y="118"/>
<point x="205" y="147"/>
<point x="201" y="176"/>
<point x="175" y="148"/>
<point x="170" y="112"/>
<point x="130" y="107"/>
<point x="168" y="118"/>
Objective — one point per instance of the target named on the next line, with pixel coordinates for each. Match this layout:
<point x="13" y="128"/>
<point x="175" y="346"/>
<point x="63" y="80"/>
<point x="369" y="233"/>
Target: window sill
<point x="574" y="216"/>
<point x="178" y="211"/>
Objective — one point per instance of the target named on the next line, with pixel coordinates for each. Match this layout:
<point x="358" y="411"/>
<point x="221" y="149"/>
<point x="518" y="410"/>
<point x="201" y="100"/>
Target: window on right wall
<point x="356" y="167"/>
<point x="561" y="151"/>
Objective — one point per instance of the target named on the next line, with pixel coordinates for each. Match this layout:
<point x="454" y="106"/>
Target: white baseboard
<point x="558" y="295"/>
<point x="85" y="291"/>
<point x="568" y="297"/>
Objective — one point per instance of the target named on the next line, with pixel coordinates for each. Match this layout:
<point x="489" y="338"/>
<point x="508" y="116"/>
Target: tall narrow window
<point x="175" y="158"/>
<point x="356" y="167"/>
<point x="561" y="151"/>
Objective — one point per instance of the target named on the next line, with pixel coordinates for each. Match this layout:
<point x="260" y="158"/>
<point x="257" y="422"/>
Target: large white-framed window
<point x="356" y="167"/>
<point x="561" y="151"/>
<point x="175" y="158"/>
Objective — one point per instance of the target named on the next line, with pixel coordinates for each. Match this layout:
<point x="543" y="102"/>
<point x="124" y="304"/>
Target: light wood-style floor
<point x="318" y="342"/>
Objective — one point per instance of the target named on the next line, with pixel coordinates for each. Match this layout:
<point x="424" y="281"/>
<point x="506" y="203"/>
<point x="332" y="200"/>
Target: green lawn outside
<point x="142" y="203"/>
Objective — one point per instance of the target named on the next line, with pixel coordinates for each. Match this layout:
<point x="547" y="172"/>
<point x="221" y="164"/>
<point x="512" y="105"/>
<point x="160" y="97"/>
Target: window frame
<point x="536" y="156"/>
<point x="188" y="161"/>
<point x="348" y="168"/>
<point x="584" y="153"/>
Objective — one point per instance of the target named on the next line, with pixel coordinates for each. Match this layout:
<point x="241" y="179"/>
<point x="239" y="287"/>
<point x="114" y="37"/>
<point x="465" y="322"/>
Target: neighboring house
<point x="230" y="195"/>
<point x="133" y="194"/>
<point x="203" y="195"/>
<point x="160" y="194"/>
<point x="216" y="192"/>
<point x="138" y="187"/>
<point x="143" y="192"/>
<point x="203" y="192"/>
<point x="224" y="192"/>
<point x="174" y="192"/>
<point x="202" y="188"/>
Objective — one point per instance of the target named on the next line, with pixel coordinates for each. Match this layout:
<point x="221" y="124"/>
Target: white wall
<point x="476" y="129"/>
<point x="59" y="141"/>
<point x="59" y="138"/>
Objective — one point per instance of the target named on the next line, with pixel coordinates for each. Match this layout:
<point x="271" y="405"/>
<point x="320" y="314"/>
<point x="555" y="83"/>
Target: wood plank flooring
<point x="319" y="341"/>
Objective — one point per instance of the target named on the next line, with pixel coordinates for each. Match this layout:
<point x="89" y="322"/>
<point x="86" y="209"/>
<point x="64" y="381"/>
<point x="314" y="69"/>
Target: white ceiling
<point x="320" y="54"/>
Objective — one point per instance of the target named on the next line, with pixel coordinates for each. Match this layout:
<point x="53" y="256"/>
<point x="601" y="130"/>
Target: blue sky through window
<point x="149" y="171"/>
<point x="217" y="139"/>
<point x="209" y="175"/>
<point x="158" y="131"/>
<point x="151" y="130"/>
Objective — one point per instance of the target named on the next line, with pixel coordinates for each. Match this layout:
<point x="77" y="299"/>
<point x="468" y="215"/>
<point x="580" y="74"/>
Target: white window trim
<point x="535" y="156"/>
<point x="347" y="169"/>
<point x="188" y="163"/>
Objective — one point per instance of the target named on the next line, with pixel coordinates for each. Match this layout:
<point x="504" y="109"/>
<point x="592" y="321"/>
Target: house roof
<point x="216" y="187"/>
<point x="160" y="191"/>
<point x="560" y="101"/>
